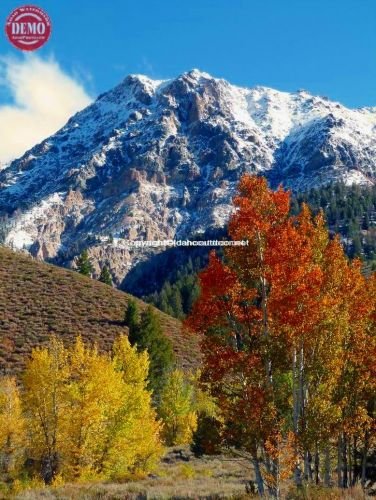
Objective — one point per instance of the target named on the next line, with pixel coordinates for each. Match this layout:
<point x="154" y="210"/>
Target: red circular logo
<point x="28" y="27"/>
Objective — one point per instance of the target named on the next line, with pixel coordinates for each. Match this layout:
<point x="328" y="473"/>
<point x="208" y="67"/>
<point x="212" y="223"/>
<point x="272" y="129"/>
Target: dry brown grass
<point x="178" y="477"/>
<point x="312" y="492"/>
<point x="38" y="300"/>
<point x="182" y="476"/>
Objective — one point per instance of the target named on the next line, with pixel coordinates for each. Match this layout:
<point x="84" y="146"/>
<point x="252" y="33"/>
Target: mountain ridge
<point x="160" y="159"/>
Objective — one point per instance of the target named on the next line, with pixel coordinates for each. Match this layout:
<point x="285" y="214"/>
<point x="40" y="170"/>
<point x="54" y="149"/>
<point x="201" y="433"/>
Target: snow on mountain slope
<point x="161" y="159"/>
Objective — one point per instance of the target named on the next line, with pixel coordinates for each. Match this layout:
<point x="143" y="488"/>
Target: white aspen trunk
<point x="317" y="466"/>
<point x="355" y="473"/>
<point x="295" y="394"/>
<point x="327" y="467"/>
<point x="269" y="468"/>
<point x="277" y="476"/>
<point x="272" y="466"/>
<point x="264" y="309"/>
<point x="258" y="475"/>
<point x="350" y="463"/>
<point x="301" y="402"/>
<point x="339" y="462"/>
<point x="364" y="460"/>
<point x="345" y="480"/>
<point x="301" y="383"/>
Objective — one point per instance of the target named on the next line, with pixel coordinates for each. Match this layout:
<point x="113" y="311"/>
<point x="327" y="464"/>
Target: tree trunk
<point x="259" y="479"/>
<point x="301" y="406"/>
<point x="264" y="309"/>
<point x="295" y="394"/>
<point x="270" y="464"/>
<point x="345" y="463"/>
<point x="276" y="475"/>
<point x="339" y="462"/>
<point x="317" y="466"/>
<point x="50" y="467"/>
<point x="364" y="460"/>
<point x="327" y="467"/>
<point x="355" y="473"/>
<point x="307" y="466"/>
<point x="350" y="464"/>
<point x="7" y="454"/>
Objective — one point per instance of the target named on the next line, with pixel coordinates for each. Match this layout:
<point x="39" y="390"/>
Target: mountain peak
<point x="144" y="80"/>
<point x="197" y="74"/>
<point x="159" y="159"/>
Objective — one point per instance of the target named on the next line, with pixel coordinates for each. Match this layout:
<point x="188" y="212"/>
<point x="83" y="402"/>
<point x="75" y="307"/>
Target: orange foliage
<point x="287" y="328"/>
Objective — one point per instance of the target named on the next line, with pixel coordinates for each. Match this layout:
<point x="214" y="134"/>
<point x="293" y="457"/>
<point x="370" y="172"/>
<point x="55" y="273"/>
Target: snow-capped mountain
<point x="161" y="159"/>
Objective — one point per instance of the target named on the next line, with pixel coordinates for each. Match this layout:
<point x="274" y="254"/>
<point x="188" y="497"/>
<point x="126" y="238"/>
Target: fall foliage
<point x="288" y="337"/>
<point x="12" y="429"/>
<point x="81" y="414"/>
<point x="177" y="409"/>
<point x="287" y="329"/>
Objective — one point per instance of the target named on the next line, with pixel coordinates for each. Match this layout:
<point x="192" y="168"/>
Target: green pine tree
<point x="148" y="335"/>
<point x="83" y="264"/>
<point x="176" y="302"/>
<point x="356" y="246"/>
<point x="163" y="302"/>
<point x="105" y="276"/>
<point x="132" y="320"/>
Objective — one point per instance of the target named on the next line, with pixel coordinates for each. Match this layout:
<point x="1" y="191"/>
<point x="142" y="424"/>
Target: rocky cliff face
<point x="161" y="159"/>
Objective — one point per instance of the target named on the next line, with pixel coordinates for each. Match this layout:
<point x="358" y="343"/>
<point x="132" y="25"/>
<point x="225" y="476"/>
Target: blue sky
<point x="325" y="46"/>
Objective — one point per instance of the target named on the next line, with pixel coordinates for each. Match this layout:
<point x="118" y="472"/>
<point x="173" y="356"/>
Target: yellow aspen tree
<point x="89" y="415"/>
<point x="45" y="385"/>
<point x="323" y="356"/>
<point x="177" y="410"/>
<point x="133" y="436"/>
<point x="12" y="429"/>
<point x="356" y="387"/>
<point x="94" y="396"/>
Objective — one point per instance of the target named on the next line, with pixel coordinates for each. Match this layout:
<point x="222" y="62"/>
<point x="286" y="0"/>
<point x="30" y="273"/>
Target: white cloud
<point x="43" y="96"/>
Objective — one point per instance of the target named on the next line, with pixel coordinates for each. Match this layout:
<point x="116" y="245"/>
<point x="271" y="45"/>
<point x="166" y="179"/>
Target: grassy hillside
<point x="38" y="300"/>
